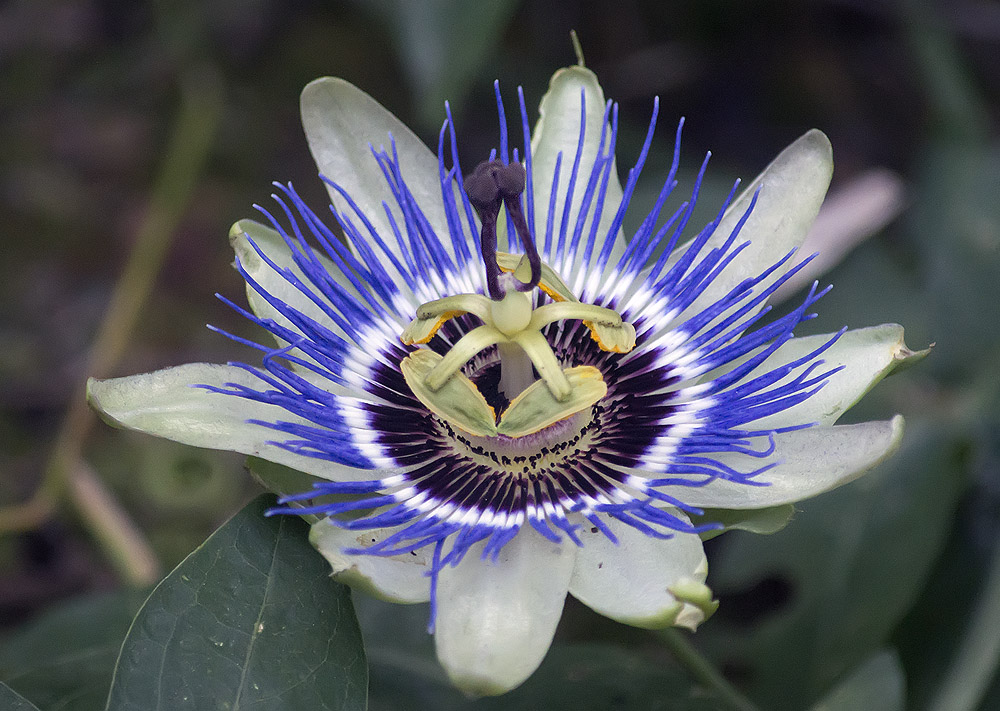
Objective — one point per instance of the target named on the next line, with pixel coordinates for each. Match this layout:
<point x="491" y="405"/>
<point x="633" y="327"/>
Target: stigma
<point x="523" y="296"/>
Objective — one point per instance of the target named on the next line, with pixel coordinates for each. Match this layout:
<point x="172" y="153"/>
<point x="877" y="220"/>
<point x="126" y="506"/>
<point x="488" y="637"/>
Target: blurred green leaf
<point x="251" y="618"/>
<point x="177" y="478"/>
<point x="444" y="45"/>
<point x="801" y="607"/>
<point x="956" y="226"/>
<point x="583" y="677"/>
<point x="65" y="658"/>
<point x="10" y="700"/>
<point x="879" y="683"/>
<point x="957" y="106"/>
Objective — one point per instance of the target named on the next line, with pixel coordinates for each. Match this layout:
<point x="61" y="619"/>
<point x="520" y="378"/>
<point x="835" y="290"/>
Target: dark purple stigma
<point x="490" y="186"/>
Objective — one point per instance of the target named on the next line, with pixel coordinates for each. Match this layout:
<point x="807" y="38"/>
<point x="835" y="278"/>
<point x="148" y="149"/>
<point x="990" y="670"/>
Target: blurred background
<point x="133" y="134"/>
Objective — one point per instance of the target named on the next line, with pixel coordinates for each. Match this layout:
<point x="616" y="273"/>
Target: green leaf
<point x="800" y="608"/>
<point x="10" y="700"/>
<point x="955" y="225"/>
<point x="879" y="683"/>
<point x="251" y="619"/>
<point x="576" y="677"/>
<point x="594" y="677"/>
<point x="64" y="659"/>
<point x="282" y="480"/>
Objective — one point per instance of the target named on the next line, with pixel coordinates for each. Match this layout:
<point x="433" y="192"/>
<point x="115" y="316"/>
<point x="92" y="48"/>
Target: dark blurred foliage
<point x="88" y="93"/>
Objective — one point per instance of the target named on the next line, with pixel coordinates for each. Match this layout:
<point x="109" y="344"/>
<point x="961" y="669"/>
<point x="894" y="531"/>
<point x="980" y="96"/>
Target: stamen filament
<point x="432" y="315"/>
<point x="545" y="361"/>
<point x="470" y="344"/>
<point x="475" y="304"/>
<point x="549" y="313"/>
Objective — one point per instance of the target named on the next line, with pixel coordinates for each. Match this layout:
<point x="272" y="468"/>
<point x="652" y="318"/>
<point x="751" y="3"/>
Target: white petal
<point x="867" y="355"/>
<point x="399" y="578"/>
<point x="276" y="249"/>
<point x="792" y="189"/>
<point x="495" y="621"/>
<point x="809" y="462"/>
<point x="372" y="339"/>
<point x="558" y="130"/>
<point x="631" y="582"/>
<point x="166" y="404"/>
<point x="342" y="123"/>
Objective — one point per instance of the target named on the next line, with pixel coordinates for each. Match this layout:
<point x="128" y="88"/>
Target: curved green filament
<point x="544" y="315"/>
<point x="475" y="304"/>
<point x="545" y="362"/>
<point x="433" y="315"/>
<point x="467" y="346"/>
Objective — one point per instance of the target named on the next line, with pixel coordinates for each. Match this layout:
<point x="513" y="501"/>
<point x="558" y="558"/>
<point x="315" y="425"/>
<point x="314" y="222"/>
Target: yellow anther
<point x="616" y="339"/>
<point x="606" y="326"/>
<point x="536" y="408"/>
<point x="458" y="401"/>
<point x="422" y="330"/>
<point x="432" y="315"/>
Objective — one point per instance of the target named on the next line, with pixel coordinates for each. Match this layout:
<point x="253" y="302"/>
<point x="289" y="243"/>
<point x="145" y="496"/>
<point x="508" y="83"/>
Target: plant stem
<point x="703" y="671"/>
<point x="66" y="474"/>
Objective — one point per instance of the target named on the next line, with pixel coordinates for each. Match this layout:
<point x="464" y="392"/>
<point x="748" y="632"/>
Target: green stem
<point x="201" y="106"/>
<point x="66" y="475"/>
<point x="703" y="671"/>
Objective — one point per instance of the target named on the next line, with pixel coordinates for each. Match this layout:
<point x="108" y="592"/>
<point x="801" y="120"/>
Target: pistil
<point x="513" y="326"/>
<point x="491" y="186"/>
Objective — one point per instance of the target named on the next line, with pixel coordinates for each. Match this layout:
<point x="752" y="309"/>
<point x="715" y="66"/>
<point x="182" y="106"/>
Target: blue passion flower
<point x="503" y="397"/>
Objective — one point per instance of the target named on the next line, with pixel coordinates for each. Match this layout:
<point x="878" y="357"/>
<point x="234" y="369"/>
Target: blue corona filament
<point x="665" y="422"/>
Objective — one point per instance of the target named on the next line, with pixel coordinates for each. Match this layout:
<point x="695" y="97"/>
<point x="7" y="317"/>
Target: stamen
<point x="470" y="344"/>
<point x="432" y="315"/>
<point x="457" y="400"/>
<point x="606" y="326"/>
<point x="537" y="407"/>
